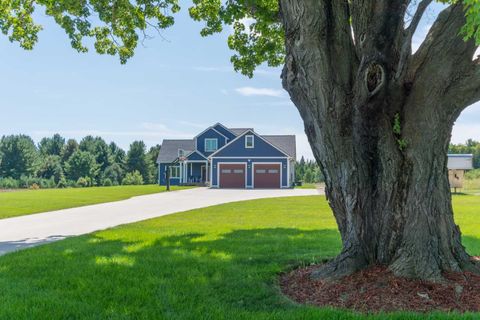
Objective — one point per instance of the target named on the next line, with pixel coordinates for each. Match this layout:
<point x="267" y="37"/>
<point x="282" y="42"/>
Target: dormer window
<point x="181" y="153"/>
<point x="211" y="145"/>
<point x="249" y="142"/>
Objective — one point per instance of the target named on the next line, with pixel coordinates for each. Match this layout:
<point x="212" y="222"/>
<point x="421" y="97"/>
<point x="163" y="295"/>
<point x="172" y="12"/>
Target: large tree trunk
<point x="379" y="122"/>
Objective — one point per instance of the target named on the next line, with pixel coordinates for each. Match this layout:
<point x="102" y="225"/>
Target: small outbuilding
<point x="457" y="165"/>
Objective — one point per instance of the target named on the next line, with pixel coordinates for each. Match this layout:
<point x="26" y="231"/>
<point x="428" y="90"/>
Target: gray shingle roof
<point x="239" y="131"/>
<point x="169" y="150"/>
<point x="286" y="143"/>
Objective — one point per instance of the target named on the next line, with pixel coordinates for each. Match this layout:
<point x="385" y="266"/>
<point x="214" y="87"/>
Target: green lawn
<point x="24" y="202"/>
<point x="307" y="186"/>
<point x="220" y="262"/>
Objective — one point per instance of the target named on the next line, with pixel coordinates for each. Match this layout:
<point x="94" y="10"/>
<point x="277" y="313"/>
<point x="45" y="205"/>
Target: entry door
<point x="232" y="175"/>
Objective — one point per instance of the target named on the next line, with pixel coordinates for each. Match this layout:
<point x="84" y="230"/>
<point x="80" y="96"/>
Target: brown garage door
<point x="232" y="175"/>
<point x="266" y="175"/>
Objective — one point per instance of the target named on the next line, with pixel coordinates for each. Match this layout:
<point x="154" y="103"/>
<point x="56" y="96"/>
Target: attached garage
<point x="232" y="175"/>
<point x="267" y="175"/>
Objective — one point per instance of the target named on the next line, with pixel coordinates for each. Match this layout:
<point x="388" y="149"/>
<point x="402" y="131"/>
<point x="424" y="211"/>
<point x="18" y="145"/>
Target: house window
<point x="211" y="145"/>
<point x="181" y="153"/>
<point x="249" y="142"/>
<point x="175" y="172"/>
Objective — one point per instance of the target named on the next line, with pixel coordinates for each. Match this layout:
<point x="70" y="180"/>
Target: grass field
<point x="24" y="202"/>
<point x="220" y="262"/>
<point x="472" y="186"/>
<point x="307" y="186"/>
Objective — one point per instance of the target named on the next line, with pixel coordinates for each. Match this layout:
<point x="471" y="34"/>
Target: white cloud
<point x="268" y="92"/>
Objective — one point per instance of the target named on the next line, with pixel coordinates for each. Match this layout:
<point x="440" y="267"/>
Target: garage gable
<point x="249" y="144"/>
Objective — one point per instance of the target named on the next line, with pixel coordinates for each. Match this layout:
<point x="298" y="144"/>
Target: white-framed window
<point x="175" y="172"/>
<point x="211" y="144"/>
<point x="181" y="153"/>
<point x="249" y="141"/>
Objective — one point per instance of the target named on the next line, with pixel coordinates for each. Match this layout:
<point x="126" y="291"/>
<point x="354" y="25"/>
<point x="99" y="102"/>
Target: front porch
<point x="190" y="172"/>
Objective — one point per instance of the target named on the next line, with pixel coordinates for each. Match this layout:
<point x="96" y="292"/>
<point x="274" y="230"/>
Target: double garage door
<point x="264" y="175"/>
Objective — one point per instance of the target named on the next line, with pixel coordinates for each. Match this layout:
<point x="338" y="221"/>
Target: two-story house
<point x="222" y="157"/>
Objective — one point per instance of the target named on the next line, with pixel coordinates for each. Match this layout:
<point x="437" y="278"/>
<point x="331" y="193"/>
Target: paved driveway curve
<point x="27" y="231"/>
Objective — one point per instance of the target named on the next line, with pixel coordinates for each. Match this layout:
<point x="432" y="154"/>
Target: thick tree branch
<point x="409" y="32"/>
<point x="443" y="60"/>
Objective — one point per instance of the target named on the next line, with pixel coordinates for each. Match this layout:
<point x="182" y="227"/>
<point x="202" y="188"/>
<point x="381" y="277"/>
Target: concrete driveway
<point x="31" y="230"/>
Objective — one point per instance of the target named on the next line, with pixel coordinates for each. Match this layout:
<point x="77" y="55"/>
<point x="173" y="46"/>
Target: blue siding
<point x="163" y="175"/>
<point x="194" y="173"/>
<point x="261" y="149"/>
<point x="196" y="156"/>
<point x="225" y="132"/>
<point x="207" y="135"/>
<point x="249" y="162"/>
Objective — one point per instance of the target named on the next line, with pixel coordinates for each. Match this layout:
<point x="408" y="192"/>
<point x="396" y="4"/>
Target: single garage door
<point x="266" y="175"/>
<point x="232" y="175"/>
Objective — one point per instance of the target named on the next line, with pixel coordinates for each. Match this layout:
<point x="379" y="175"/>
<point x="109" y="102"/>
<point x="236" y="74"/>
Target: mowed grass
<point x="220" y="262"/>
<point x="25" y="202"/>
<point x="472" y="186"/>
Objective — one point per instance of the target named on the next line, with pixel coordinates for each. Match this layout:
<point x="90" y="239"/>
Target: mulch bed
<point x="376" y="289"/>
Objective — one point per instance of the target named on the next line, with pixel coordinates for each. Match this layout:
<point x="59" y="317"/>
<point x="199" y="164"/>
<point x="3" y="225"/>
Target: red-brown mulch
<point x="377" y="289"/>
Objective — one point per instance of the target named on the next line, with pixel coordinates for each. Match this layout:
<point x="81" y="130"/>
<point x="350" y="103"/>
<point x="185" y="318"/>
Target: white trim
<point x="253" y="172"/>
<point x="179" y="172"/>
<point x="195" y="151"/>
<point x="206" y="130"/>
<point x="243" y="134"/>
<point x="253" y="141"/>
<point x="253" y="157"/>
<point x="218" y="172"/>
<point x="213" y="128"/>
<point x="205" y="144"/>
<point x="221" y="125"/>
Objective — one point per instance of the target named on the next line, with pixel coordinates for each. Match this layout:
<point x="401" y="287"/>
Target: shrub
<point x="107" y="182"/>
<point x="82" y="182"/>
<point x="9" y="183"/>
<point x="472" y="175"/>
<point x="63" y="183"/>
<point x="34" y="186"/>
<point x="133" y="178"/>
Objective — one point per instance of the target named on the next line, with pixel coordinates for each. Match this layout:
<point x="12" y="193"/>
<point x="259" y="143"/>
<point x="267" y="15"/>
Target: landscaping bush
<point x="107" y="182"/>
<point x="27" y="182"/>
<point x="9" y="183"/>
<point x="82" y="182"/>
<point x="473" y="174"/>
<point x="133" y="178"/>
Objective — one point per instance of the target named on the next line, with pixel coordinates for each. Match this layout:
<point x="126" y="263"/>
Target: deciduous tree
<point x="378" y="116"/>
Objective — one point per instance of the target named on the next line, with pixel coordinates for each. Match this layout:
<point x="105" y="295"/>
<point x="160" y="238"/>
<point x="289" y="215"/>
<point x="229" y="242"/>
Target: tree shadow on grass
<point x="189" y="276"/>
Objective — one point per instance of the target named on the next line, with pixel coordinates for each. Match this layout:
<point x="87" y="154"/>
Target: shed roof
<point x="460" y="161"/>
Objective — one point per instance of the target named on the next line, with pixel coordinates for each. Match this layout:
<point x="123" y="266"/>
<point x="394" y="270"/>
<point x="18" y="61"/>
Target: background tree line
<point x="308" y="171"/>
<point x="470" y="147"/>
<point x="57" y="162"/>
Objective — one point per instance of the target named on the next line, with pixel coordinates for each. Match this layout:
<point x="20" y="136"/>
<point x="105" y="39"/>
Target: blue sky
<point x="172" y="88"/>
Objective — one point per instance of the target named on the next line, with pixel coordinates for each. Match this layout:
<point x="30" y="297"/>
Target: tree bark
<point x="379" y="121"/>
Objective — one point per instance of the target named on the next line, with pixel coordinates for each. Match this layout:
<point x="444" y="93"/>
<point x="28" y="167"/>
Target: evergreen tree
<point x="52" y="146"/>
<point x="19" y="156"/>
<point x="137" y="160"/>
<point x="81" y="164"/>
